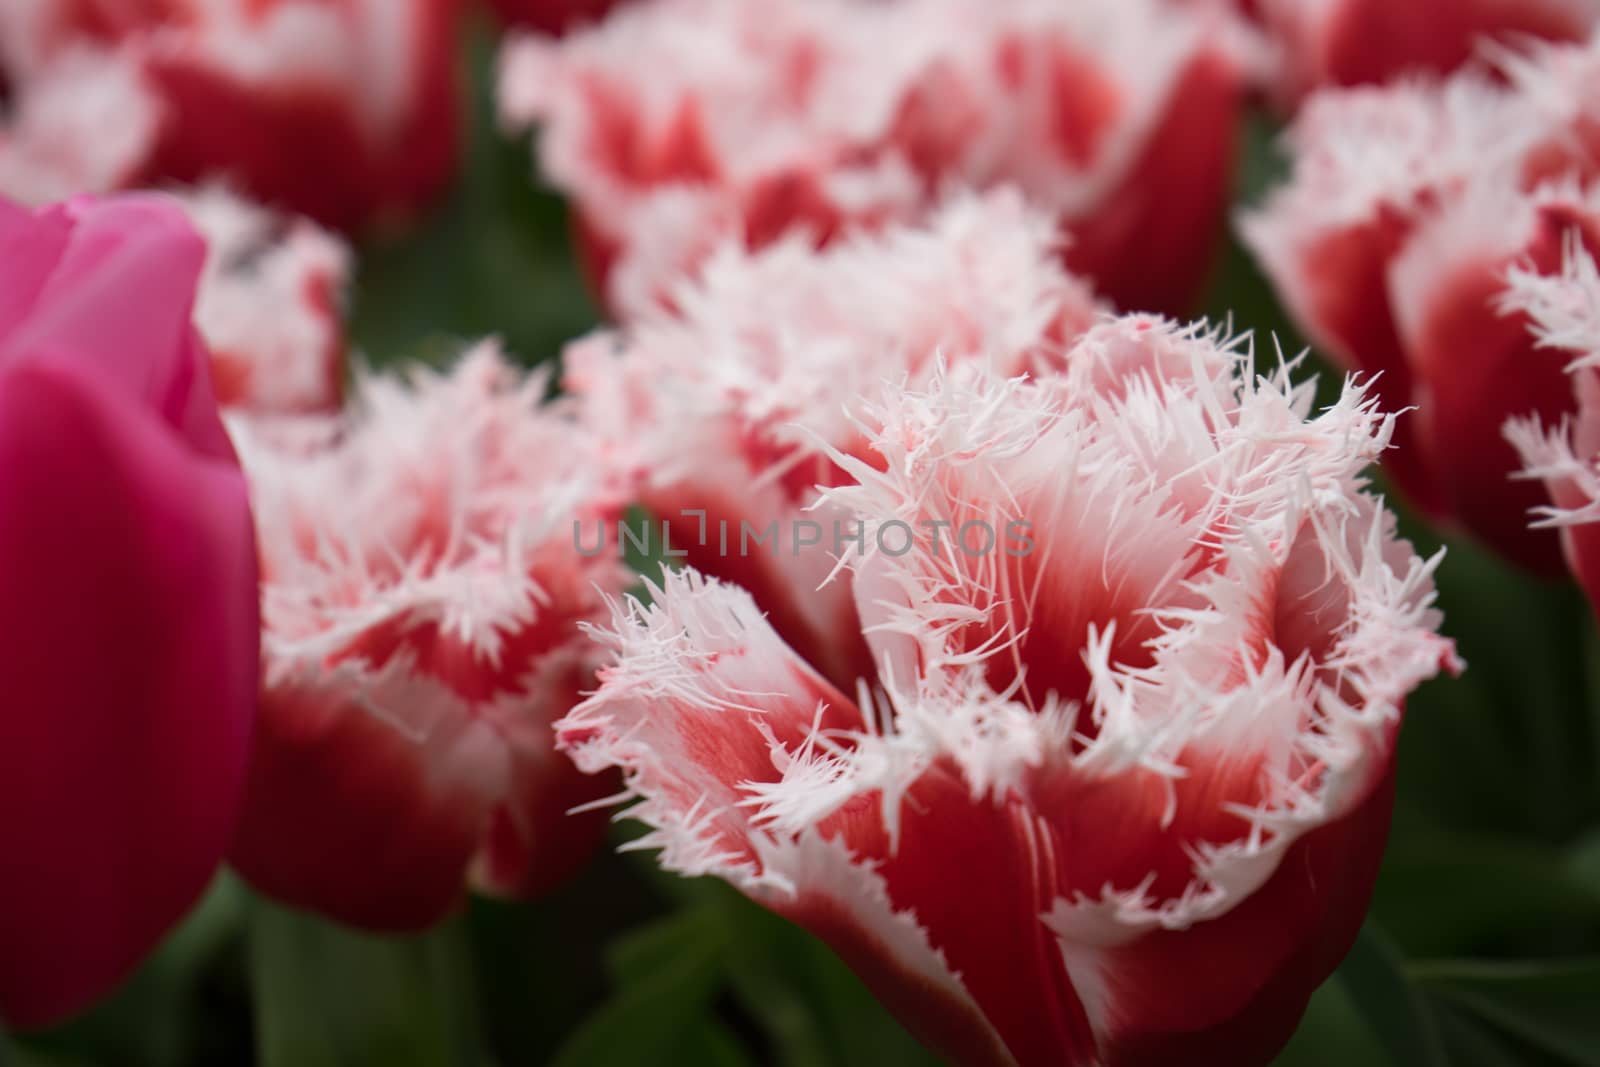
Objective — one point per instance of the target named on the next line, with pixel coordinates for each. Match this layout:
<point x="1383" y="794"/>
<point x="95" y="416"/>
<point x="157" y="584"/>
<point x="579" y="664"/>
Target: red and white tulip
<point x="343" y="110"/>
<point x="1391" y="243"/>
<point x="679" y="124"/>
<point x="422" y="597"/>
<point x="1113" y="792"/>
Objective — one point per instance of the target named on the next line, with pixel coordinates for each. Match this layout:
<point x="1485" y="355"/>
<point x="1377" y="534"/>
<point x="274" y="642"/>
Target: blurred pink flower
<point x="344" y="110"/>
<point x="128" y="571"/>
<point x="422" y="595"/>
<point x="730" y="406"/>
<point x="1115" y="793"/>
<point x="679" y="123"/>
<point x="1390" y="245"/>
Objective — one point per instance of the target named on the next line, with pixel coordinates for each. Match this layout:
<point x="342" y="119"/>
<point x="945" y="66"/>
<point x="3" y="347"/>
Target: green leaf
<point x="330" y="997"/>
<point x="667" y="976"/>
<point x="1506" y="748"/>
<point x="1584" y="863"/>
<point x="494" y="258"/>
<point x="1549" y="1006"/>
<point x="818" y="1013"/>
<point x="1400" y="1018"/>
<point x="1448" y="893"/>
<point x="712" y="1045"/>
<point x="19" y="1054"/>
<point x="1471" y="1042"/>
<point x="1333" y="1034"/>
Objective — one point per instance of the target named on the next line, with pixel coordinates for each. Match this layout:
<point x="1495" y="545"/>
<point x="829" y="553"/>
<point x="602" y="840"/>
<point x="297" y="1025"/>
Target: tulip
<point x="1355" y="42"/>
<point x="1390" y="246"/>
<point x="679" y="124"/>
<point x="128" y="567"/>
<point x="1564" y="309"/>
<point x="343" y="110"/>
<point x="422" y="595"/>
<point x="270" y="306"/>
<point x="1117" y="789"/>
<point x="721" y="414"/>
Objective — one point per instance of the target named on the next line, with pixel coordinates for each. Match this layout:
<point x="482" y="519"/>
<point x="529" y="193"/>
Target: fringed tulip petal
<point x="1563" y="310"/>
<point x="721" y="413"/>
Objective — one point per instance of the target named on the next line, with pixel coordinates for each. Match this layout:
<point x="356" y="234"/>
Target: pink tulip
<point x="677" y="124"/>
<point x="1391" y="243"/>
<point x="423" y="594"/>
<point x="128" y="565"/>
<point x="344" y="110"/>
<point x="1115" y="783"/>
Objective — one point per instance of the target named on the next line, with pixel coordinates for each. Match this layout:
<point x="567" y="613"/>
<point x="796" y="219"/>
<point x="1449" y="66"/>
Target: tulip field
<point x="800" y="533"/>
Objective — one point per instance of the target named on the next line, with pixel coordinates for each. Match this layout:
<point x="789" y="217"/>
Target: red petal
<point x="1482" y="367"/>
<point x="130" y="669"/>
<point x="1151" y="244"/>
<point x="348" y="815"/>
<point x="1261" y="961"/>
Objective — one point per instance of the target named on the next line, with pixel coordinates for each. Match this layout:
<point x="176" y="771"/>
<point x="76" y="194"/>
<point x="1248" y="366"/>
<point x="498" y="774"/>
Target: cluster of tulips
<point x="1040" y="649"/>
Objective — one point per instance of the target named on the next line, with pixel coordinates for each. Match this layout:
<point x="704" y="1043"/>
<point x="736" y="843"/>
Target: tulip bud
<point x="679" y="124"/>
<point x="422" y="598"/>
<point x="1390" y="245"/>
<point x="128" y="569"/>
<point x="344" y="110"/>
<point x="1116" y="791"/>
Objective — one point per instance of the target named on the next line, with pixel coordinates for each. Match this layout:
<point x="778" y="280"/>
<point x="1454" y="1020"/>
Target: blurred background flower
<point x="1391" y="243"/>
<point x="678" y="123"/>
<point x="343" y="111"/>
<point x="1359" y="42"/>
